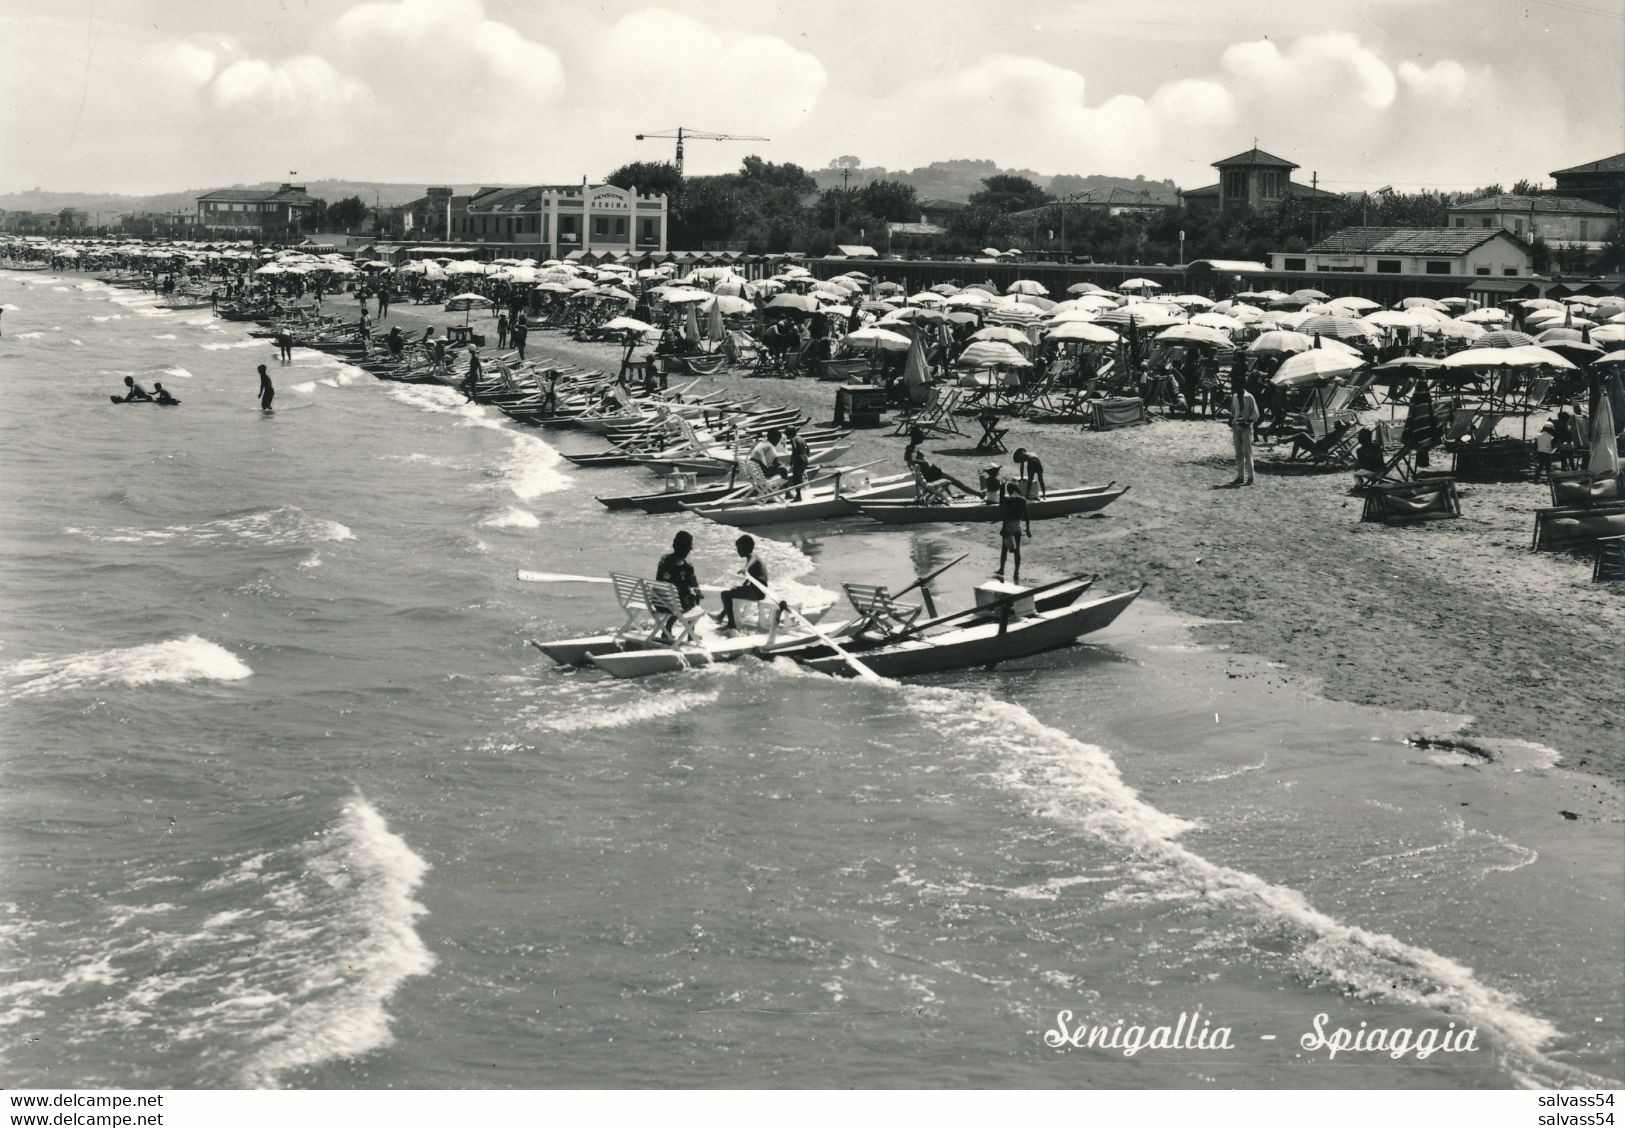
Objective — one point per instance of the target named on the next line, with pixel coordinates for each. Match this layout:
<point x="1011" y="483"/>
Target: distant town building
<point x="72" y="219"/>
<point x="1559" y="220"/>
<point x="1413" y="250"/>
<point x="274" y="214"/>
<point x="1601" y="182"/>
<point x="565" y="218"/>
<point x="938" y="211"/>
<point x="1251" y="181"/>
<point x="1122" y="201"/>
<point x="424" y="218"/>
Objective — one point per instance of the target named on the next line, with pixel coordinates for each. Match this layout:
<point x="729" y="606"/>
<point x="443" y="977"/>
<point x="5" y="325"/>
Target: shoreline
<point x="1457" y="617"/>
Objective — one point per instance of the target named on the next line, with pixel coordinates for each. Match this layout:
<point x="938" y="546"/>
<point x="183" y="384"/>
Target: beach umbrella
<point x="1458" y="330"/>
<point x="732" y="306"/>
<point x="1604" y="458"/>
<point x="1418" y="303"/>
<point x="1312" y="366"/>
<point x="1353" y="306"/>
<point x="1561" y="333"/>
<point x="1218" y="321"/>
<point x="1190" y="301"/>
<point x="1617" y="357"/>
<point x="713" y="321"/>
<point x="1027" y="286"/>
<point x="1038" y="303"/>
<point x="1280" y="342"/>
<point x="691" y="324"/>
<point x="1336" y="326"/>
<point x="1196" y="335"/>
<point x="1085" y="331"/>
<point x="915" y="370"/>
<point x="991" y="354"/>
<point x="1581" y="353"/>
<point x="1001" y="333"/>
<point x="1540" y="303"/>
<point x="1139" y="284"/>
<point x="793" y="303"/>
<point x="874" y="337"/>
<point x="1082" y="288"/>
<point x="1015" y="315"/>
<point x="926" y="298"/>
<point x="1608" y="334"/>
<point x="1308" y="294"/>
<point x="1486" y="316"/>
<point x="913" y="313"/>
<point x="1504" y="339"/>
<point x="1147" y="315"/>
<point x="1421" y="432"/>
<point x="690" y="296"/>
<point x="628" y="325"/>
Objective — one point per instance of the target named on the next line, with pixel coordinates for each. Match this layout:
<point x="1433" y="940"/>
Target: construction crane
<point x="683" y="133"/>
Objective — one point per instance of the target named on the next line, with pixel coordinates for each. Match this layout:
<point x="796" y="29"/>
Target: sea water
<point x="290" y="802"/>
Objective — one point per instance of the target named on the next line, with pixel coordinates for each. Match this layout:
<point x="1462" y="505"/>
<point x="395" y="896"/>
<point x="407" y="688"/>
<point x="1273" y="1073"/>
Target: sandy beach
<point x="1455" y="616"/>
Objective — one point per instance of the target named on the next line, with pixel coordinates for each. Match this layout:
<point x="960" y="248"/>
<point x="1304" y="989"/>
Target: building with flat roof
<point x="564" y="218"/>
<point x="1600" y="181"/>
<point x="1446" y="251"/>
<point x="273" y="214"/>
<point x="1560" y="220"/>
<point x="1251" y="181"/>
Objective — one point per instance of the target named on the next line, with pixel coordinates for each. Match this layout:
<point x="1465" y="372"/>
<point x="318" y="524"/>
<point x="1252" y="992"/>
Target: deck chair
<point x="1610" y="565"/>
<point x="1403" y="503"/>
<point x="654" y="611"/>
<point x="1118" y="411"/>
<point x="878" y="612"/>
<point x="742" y="349"/>
<point x="937" y="416"/>
<point x="1580" y="488"/>
<point x="1577" y="526"/>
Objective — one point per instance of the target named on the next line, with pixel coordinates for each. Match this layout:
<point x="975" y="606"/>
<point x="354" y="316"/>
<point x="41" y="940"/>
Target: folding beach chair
<point x="878" y="612"/>
<point x="1610" y="565"/>
<point x="1403" y="503"/>
<point x="1578" y="526"/>
<point x="936" y="417"/>
<point x="992" y="440"/>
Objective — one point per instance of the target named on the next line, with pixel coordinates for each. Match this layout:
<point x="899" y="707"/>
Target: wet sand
<point x="1449" y="616"/>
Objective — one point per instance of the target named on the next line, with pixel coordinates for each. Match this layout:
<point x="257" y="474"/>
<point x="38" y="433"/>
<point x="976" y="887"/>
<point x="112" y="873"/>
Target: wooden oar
<point x="930" y="604"/>
<point x="857" y="667"/>
<point x="563" y="578"/>
<point x="798" y="486"/>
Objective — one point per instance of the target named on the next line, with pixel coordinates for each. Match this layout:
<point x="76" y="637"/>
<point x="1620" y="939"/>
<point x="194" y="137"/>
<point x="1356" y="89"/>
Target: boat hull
<point x="812" y="509"/>
<point x="985" y="643"/>
<point x="1065" y="504"/>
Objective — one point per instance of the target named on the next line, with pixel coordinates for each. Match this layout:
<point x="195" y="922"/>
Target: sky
<point x="146" y="96"/>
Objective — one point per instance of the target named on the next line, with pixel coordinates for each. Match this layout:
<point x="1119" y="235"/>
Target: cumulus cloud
<point x="435" y="52"/>
<point x="1310" y="69"/>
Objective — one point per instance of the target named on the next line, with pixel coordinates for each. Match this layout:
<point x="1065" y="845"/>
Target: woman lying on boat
<point x="931" y="482"/>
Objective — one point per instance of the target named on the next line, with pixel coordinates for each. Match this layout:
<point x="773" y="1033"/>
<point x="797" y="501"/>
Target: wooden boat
<point x="818" y="502"/>
<point x="1059" y="503"/>
<point x="674" y="500"/>
<point x="987" y="642"/>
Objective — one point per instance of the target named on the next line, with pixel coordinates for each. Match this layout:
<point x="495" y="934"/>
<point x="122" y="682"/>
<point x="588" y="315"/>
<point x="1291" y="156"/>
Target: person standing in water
<point x="267" y="392"/>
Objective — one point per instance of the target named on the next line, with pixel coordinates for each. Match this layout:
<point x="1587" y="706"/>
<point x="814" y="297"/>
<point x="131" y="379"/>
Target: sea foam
<point x="1079" y="784"/>
<point x="365" y="952"/>
<point x="178" y="660"/>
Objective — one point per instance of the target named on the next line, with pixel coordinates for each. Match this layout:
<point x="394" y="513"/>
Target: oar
<point x="563" y="578"/>
<point x="930" y="604"/>
<point x="809" y="482"/>
<point x="857" y="667"/>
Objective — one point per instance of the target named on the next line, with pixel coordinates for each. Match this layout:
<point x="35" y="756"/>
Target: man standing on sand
<point x="1243" y="417"/>
<point x="267" y="392"/>
<point x="521" y="330"/>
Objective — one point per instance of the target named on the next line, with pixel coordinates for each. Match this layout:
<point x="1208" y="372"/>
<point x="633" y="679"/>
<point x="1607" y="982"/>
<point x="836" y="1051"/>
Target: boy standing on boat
<point x="1013" y="512"/>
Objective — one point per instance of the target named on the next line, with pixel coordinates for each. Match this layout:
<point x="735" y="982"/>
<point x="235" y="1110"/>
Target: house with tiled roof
<point x="1560" y="220"/>
<point x="272" y="213"/>
<point x="1600" y="181"/>
<point x="1251" y="181"/>
<point x="1466" y="251"/>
